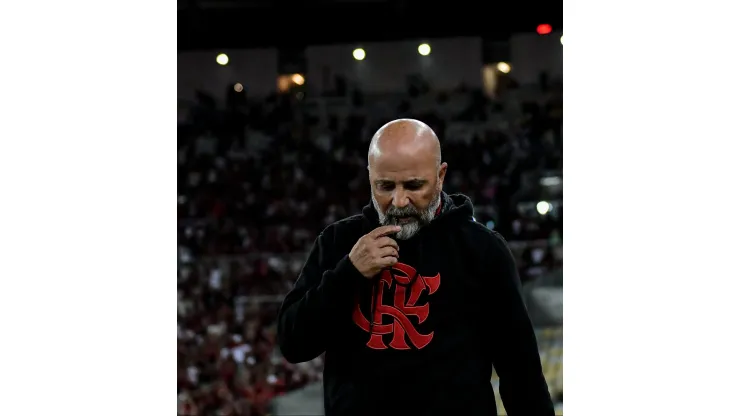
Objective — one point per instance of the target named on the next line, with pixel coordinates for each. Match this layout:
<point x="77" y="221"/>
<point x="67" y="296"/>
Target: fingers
<point x="388" y="252"/>
<point x="387" y="242"/>
<point x="382" y="248"/>
<point x="388" y="261"/>
<point x="384" y="230"/>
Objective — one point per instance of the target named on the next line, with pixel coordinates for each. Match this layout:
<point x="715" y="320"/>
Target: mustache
<point x="407" y="211"/>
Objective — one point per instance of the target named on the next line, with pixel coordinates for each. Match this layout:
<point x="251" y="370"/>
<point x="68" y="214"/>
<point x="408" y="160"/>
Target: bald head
<point x="406" y="175"/>
<point x="406" y="138"/>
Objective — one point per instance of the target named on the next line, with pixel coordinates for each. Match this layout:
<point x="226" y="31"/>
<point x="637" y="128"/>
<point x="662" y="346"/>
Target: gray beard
<point x="418" y="218"/>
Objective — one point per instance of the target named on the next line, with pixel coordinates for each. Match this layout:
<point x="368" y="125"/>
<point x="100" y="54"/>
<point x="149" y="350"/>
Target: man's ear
<point x="441" y="176"/>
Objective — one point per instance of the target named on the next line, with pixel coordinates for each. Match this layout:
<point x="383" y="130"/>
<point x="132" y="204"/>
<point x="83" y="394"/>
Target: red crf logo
<point x="402" y="309"/>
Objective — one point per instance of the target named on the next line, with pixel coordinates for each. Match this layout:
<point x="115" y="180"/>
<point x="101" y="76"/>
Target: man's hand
<point x="375" y="251"/>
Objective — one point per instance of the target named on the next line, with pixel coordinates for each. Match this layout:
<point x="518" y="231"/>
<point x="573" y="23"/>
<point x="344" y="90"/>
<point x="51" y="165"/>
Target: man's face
<point x="406" y="190"/>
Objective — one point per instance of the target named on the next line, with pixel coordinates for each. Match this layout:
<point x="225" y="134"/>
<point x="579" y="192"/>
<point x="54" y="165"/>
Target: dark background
<point x="208" y="24"/>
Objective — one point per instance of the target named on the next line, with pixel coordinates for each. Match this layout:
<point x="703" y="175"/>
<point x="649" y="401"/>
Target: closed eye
<point x="411" y="185"/>
<point x="385" y="185"/>
<point x="414" y="185"/>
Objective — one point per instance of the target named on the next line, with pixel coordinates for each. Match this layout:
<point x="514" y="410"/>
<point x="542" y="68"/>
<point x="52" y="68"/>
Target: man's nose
<point x="400" y="200"/>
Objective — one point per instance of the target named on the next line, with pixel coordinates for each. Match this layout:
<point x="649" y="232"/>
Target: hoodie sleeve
<point x="516" y="357"/>
<point x="310" y="310"/>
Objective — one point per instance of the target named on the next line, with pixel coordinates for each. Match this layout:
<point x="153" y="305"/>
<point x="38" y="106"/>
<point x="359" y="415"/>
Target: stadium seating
<point x="257" y="182"/>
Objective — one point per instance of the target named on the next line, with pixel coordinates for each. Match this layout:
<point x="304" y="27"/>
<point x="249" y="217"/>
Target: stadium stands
<point x="257" y="180"/>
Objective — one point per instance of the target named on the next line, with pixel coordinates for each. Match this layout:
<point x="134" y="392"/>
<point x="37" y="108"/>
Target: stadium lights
<point x="543" y="207"/>
<point x="222" y="59"/>
<point x="425" y="49"/>
<point x="503" y="67"/>
<point x="358" y="54"/>
<point x="551" y="181"/>
<point x="298" y="79"/>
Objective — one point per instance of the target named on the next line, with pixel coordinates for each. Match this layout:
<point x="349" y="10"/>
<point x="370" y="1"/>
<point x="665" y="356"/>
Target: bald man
<point x="413" y="301"/>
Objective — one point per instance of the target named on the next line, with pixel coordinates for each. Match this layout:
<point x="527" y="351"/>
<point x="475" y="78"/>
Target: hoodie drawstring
<point x="373" y="299"/>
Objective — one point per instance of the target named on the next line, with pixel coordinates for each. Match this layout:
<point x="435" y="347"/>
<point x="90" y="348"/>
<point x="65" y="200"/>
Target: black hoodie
<point x="448" y="310"/>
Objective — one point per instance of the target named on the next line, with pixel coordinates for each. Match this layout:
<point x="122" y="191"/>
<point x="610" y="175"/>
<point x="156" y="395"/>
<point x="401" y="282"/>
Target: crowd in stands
<point x="258" y="179"/>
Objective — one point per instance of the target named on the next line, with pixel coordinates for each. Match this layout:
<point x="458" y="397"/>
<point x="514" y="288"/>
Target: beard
<point x="416" y="219"/>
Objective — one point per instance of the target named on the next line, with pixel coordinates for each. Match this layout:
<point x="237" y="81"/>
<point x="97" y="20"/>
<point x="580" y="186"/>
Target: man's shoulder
<point x="482" y="238"/>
